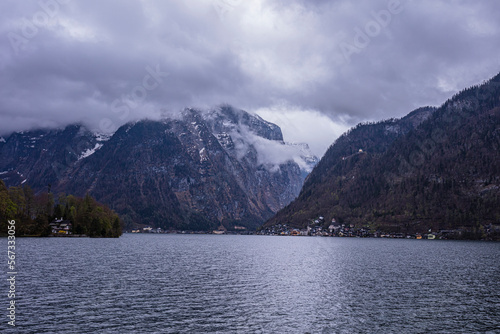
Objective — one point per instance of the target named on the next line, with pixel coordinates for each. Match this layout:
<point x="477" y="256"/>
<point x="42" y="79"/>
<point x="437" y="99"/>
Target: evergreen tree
<point x="86" y="215"/>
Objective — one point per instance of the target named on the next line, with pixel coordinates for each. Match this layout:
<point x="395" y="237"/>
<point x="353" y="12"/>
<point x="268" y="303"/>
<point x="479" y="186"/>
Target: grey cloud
<point x="256" y="55"/>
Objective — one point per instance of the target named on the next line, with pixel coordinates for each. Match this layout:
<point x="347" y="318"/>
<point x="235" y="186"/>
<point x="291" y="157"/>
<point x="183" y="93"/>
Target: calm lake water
<point x="254" y="284"/>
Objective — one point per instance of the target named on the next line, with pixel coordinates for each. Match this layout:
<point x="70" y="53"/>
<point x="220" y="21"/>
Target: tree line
<point x="34" y="212"/>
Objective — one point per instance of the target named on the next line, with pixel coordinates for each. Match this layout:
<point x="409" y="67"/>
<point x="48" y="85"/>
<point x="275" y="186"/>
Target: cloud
<point x="305" y="126"/>
<point x="87" y="61"/>
<point x="269" y="153"/>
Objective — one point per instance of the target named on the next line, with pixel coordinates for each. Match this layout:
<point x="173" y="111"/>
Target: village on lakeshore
<point x="335" y="229"/>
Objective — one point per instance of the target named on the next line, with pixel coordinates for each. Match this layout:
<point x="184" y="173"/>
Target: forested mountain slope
<point x="433" y="169"/>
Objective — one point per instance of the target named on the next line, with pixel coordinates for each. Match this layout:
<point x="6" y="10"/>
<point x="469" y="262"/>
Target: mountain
<point x="205" y="169"/>
<point x="433" y="169"/>
<point x="40" y="157"/>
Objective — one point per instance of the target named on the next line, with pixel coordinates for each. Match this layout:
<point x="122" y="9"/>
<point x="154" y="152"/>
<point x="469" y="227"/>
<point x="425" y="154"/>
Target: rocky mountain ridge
<point x="201" y="171"/>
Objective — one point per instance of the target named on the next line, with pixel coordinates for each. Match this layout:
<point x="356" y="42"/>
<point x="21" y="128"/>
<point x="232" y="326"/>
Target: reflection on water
<point x="255" y="284"/>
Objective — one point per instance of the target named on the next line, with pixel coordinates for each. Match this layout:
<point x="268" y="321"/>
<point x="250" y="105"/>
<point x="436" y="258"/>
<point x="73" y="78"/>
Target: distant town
<point x="334" y="229"/>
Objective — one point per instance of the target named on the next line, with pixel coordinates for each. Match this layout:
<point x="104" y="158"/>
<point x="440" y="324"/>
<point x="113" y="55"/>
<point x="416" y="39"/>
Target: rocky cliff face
<point x="223" y="166"/>
<point x="41" y="157"/>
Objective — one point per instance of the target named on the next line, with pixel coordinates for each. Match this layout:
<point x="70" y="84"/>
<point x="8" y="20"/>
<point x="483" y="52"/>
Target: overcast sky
<point x="313" y="67"/>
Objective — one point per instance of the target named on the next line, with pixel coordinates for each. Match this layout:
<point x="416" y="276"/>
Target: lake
<point x="171" y="283"/>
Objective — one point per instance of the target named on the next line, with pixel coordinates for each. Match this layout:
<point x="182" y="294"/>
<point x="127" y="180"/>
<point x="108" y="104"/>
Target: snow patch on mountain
<point x="90" y="151"/>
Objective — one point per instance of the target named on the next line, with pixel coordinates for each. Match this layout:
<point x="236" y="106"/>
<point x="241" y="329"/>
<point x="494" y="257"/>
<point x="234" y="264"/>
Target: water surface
<point x="255" y="284"/>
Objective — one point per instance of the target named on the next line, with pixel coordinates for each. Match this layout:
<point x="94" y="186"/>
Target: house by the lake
<point x="61" y="226"/>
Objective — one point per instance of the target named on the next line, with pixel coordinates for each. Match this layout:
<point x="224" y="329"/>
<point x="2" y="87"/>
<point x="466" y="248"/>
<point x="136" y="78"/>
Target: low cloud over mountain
<point x="109" y="63"/>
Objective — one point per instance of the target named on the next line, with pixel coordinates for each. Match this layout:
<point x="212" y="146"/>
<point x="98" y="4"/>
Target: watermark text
<point x="11" y="272"/>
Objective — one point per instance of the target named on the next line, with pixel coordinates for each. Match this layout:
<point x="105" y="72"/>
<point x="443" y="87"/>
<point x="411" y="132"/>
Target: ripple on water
<point x="255" y="284"/>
